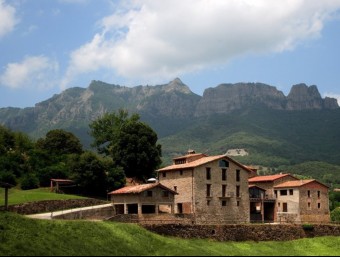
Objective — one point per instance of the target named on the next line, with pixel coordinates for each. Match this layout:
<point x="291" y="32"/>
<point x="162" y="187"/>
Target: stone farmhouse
<point x="203" y="189"/>
<point x="284" y="198"/>
<point x="214" y="189"/>
<point x="143" y="199"/>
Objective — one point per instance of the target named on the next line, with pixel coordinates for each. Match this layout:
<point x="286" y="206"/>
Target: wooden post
<point x="6" y="198"/>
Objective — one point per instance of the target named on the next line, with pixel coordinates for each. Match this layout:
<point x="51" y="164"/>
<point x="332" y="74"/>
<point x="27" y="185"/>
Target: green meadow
<point x="17" y="196"/>
<point x="22" y="236"/>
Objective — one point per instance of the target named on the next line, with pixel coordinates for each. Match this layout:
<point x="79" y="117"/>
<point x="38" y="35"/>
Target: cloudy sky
<point x="49" y="46"/>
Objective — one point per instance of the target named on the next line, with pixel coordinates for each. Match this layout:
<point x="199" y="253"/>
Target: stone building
<point x="288" y="199"/>
<point x="143" y="199"/>
<point x="303" y="201"/>
<point x="214" y="189"/>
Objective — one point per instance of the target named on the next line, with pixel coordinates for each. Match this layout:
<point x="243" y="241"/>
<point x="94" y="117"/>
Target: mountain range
<point x="276" y="130"/>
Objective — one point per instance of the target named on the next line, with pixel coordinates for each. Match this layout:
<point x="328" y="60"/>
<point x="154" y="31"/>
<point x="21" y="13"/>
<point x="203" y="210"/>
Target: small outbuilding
<point x="144" y="199"/>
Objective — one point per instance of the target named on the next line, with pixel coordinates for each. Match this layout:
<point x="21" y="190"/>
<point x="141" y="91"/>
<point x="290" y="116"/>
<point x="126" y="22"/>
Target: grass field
<point x="17" y="196"/>
<point x="21" y="236"/>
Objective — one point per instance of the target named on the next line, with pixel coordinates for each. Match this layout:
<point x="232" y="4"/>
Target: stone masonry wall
<point x="51" y="206"/>
<point x="245" y="232"/>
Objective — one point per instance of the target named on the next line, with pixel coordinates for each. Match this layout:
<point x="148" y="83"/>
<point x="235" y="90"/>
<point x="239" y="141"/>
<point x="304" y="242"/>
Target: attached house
<point x="288" y="199"/>
<point x="213" y="189"/>
<point x="143" y="199"/>
<point x="303" y="201"/>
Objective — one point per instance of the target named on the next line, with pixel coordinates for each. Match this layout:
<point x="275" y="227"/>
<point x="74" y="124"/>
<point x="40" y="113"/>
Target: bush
<point x="9" y="178"/>
<point x="335" y="215"/>
<point x="29" y="182"/>
<point x="308" y="227"/>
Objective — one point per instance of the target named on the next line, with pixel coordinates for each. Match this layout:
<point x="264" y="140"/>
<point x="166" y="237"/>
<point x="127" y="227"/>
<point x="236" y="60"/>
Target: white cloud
<point x="332" y="95"/>
<point x="7" y="18"/>
<point x="150" y="39"/>
<point x="37" y="72"/>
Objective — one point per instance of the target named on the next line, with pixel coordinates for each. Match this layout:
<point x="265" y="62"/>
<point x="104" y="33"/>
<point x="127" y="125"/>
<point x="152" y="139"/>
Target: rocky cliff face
<point x="76" y="107"/>
<point x="302" y="97"/>
<point x="228" y="97"/>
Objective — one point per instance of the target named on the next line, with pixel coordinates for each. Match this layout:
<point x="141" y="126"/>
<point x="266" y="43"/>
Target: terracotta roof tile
<point x="298" y="183"/>
<point x="271" y="178"/>
<point x="139" y="189"/>
<point x="200" y="162"/>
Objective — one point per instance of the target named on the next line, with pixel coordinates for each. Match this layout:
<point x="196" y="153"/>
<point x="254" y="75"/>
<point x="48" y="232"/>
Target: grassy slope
<point x="21" y="236"/>
<point x="17" y="196"/>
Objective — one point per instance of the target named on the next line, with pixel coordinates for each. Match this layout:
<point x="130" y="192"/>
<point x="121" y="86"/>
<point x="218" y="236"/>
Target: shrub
<point x="335" y="215"/>
<point x="9" y="178"/>
<point x="30" y="181"/>
<point x="308" y="227"/>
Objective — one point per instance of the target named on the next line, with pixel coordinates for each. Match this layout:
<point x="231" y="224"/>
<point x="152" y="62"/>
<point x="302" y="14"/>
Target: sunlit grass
<point x="17" y="196"/>
<point x="21" y="236"/>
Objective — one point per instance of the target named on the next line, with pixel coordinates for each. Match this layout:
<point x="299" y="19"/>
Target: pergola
<point x="6" y="186"/>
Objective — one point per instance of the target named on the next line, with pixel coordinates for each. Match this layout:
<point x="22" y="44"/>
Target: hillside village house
<point x="288" y="199"/>
<point x="143" y="199"/>
<point x="203" y="189"/>
<point x="303" y="201"/>
<point x="214" y="189"/>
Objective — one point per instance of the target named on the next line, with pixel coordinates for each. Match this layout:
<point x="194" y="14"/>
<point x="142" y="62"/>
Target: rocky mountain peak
<point x="177" y="85"/>
<point x="303" y="97"/>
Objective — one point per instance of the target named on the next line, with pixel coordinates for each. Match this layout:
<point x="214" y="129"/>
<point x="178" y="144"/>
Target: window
<point x="285" y="207"/>
<point x="224" y="174"/>
<point x="238" y="191"/>
<point x="279" y="205"/>
<point x="224" y="164"/>
<point x="208" y="203"/>
<point x="208" y="190"/>
<point x="166" y="194"/>
<point x="149" y="193"/>
<point x="181" y="172"/>
<point x="309" y="206"/>
<point x="224" y="203"/>
<point x="275" y="192"/>
<point x="319" y="194"/>
<point x="291" y="192"/>
<point x="308" y="193"/>
<point x="224" y="191"/>
<point x="283" y="192"/>
<point x="238" y="175"/>
<point x="208" y="173"/>
<point x="319" y="206"/>
<point x="164" y="175"/>
<point x="175" y="188"/>
<point x="238" y="203"/>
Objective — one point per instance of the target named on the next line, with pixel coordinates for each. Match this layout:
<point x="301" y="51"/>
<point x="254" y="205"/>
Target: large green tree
<point x="130" y="143"/>
<point x="60" y="142"/>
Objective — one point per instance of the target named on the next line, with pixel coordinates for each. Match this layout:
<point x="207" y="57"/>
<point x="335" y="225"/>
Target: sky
<point x="49" y="46"/>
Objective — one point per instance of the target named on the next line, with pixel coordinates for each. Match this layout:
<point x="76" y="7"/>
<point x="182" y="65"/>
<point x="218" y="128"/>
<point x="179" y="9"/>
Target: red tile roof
<point x="271" y="178"/>
<point x="298" y="183"/>
<point x="139" y="189"/>
<point x="253" y="186"/>
<point x="190" y="155"/>
<point x="202" y="161"/>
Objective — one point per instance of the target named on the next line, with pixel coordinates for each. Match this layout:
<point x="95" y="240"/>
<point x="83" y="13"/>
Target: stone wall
<point x="168" y="219"/>
<point x="245" y="232"/>
<point x="51" y="206"/>
<point x="92" y="214"/>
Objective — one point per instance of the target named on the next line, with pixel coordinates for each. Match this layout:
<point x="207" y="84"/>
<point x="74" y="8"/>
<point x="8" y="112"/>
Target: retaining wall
<point x="245" y="232"/>
<point x="51" y="206"/>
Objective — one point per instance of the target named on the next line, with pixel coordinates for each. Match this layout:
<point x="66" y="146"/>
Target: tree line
<point x="126" y="147"/>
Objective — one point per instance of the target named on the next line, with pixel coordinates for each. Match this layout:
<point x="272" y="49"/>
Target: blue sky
<point x="49" y="46"/>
